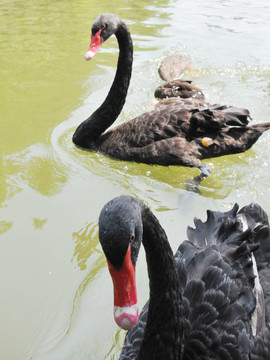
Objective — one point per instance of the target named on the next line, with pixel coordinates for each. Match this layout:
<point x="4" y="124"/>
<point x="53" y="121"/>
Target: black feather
<point x="202" y="301"/>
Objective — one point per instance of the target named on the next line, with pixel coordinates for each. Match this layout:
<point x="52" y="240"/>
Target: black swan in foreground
<point x="209" y="301"/>
<point x="167" y="135"/>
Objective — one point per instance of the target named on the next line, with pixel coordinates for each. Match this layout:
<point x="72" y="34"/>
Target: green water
<point x="56" y="294"/>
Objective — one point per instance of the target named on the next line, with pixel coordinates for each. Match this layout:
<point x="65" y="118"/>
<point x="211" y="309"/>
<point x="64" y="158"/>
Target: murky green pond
<point x="56" y="294"/>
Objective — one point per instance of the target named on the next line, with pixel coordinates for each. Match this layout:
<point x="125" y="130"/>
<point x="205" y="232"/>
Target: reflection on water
<point x="56" y="298"/>
<point x="86" y="241"/>
<point x="117" y="341"/>
<point x="39" y="223"/>
<point x="38" y="167"/>
<point x="95" y="269"/>
<point x="5" y="226"/>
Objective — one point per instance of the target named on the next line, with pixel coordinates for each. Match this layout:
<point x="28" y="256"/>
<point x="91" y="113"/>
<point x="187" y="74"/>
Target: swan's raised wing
<point x="254" y="217"/>
<point x="224" y="313"/>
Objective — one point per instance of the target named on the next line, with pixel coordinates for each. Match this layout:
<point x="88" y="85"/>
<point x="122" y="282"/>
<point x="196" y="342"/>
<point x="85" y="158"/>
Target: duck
<point x="173" y="66"/>
<point x="167" y="135"/>
<point x="208" y="301"/>
<point x="184" y="92"/>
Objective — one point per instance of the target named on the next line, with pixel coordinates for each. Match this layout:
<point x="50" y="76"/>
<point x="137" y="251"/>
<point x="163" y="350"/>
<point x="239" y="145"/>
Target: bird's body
<point x="168" y="135"/>
<point x="173" y="66"/>
<point x="209" y="301"/>
<point x="169" y="131"/>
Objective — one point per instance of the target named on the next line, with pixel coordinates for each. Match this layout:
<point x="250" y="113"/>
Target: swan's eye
<point x="132" y="238"/>
<point x="103" y="27"/>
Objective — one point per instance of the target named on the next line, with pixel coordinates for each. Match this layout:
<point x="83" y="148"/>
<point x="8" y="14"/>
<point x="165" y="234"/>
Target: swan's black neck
<point x="163" y="331"/>
<point x="88" y="133"/>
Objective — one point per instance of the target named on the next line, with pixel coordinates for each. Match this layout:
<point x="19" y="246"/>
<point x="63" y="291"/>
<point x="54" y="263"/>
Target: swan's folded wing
<point x="214" y="326"/>
<point x="216" y="309"/>
<point x="260" y="346"/>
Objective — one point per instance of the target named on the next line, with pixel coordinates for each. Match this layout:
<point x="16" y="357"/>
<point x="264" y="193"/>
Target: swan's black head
<point x="107" y="23"/>
<point x="103" y="27"/>
<point x="120" y="234"/>
<point x="120" y="226"/>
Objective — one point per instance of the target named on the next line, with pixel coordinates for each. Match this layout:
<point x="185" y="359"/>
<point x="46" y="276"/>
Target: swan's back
<point x="223" y="310"/>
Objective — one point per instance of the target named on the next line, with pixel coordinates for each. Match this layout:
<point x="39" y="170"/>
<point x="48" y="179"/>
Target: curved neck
<point x="163" y="330"/>
<point x="88" y="132"/>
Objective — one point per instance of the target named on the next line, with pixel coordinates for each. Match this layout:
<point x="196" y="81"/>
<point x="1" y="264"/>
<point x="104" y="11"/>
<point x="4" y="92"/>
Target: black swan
<point x="209" y="301"/>
<point x="167" y="135"/>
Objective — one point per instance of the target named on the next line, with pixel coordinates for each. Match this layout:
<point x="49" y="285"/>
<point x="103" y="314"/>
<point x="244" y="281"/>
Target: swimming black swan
<point x="167" y="135"/>
<point x="206" y="302"/>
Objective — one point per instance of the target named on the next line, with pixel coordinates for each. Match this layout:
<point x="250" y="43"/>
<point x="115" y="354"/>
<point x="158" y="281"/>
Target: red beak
<point x="125" y="293"/>
<point x="96" y="41"/>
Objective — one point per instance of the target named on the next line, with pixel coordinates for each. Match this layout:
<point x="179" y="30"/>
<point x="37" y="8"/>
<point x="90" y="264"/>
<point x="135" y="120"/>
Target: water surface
<point x="56" y="294"/>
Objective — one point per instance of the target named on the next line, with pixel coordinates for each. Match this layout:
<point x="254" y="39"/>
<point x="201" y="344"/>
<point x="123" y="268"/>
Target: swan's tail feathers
<point x="236" y="116"/>
<point x="218" y="116"/>
<point x="235" y="140"/>
<point x="262" y="127"/>
<point x="253" y="133"/>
